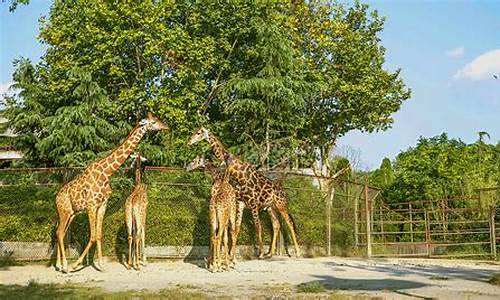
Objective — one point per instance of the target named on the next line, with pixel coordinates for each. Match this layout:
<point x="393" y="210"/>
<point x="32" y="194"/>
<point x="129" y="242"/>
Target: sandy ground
<point x="385" y="278"/>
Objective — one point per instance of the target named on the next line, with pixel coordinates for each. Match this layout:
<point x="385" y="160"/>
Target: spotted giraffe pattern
<point x="255" y="190"/>
<point x="136" y="207"/>
<point x="223" y="216"/>
<point x="90" y="191"/>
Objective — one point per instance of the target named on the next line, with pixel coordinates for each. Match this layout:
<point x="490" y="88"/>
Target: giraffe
<point x="222" y="215"/>
<point x="256" y="191"/>
<point x="135" y="217"/>
<point x="90" y="191"/>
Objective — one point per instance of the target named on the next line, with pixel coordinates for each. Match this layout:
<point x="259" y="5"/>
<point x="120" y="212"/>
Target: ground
<point x="331" y="277"/>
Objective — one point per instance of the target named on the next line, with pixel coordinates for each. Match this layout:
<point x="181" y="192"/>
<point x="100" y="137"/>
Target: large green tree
<point x="275" y="79"/>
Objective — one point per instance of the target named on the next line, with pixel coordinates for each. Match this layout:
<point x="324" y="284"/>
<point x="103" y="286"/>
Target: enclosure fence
<point x="332" y="217"/>
<point x="177" y="220"/>
<point x="456" y="227"/>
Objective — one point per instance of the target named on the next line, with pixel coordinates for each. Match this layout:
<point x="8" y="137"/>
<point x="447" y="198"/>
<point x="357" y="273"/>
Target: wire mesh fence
<point x="177" y="221"/>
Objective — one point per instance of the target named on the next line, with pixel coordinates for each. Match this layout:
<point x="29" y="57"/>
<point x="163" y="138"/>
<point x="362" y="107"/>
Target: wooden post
<point x="427" y="233"/>
<point x="356" y="233"/>
<point x="493" y="238"/>
<point x="368" y="224"/>
<point x="411" y="222"/>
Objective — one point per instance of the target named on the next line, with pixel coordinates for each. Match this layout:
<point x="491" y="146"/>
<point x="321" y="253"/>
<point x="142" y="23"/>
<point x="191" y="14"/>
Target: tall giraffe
<point x="222" y="215"/>
<point x="135" y="217"/>
<point x="256" y="191"/>
<point x="90" y="191"/>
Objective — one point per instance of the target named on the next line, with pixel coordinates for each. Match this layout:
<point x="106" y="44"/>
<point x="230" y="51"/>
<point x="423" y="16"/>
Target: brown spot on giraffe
<point x="256" y="191"/>
<point x="83" y="193"/>
<point x="135" y="217"/>
<point x="223" y="216"/>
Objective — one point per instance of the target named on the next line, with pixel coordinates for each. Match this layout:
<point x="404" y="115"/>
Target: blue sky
<point x="448" y="52"/>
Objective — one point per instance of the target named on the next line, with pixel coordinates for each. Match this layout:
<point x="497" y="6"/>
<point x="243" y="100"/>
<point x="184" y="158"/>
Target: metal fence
<point x="458" y="227"/>
<point x="177" y="223"/>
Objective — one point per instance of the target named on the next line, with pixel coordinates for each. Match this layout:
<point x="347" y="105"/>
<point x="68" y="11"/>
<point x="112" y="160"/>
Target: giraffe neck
<point x="138" y="178"/>
<point x="217" y="147"/>
<point x="239" y="170"/>
<point x="213" y="170"/>
<point x="112" y="162"/>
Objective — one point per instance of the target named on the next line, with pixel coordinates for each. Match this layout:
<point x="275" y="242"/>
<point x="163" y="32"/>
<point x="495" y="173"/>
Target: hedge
<point x="177" y="212"/>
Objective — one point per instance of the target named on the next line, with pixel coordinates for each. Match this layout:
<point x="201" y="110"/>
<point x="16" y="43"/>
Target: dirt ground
<point x="385" y="278"/>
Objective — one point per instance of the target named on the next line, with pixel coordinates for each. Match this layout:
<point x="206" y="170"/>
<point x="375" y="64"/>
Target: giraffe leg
<point x="276" y="228"/>
<point x="289" y="222"/>
<point x="224" y="237"/>
<point x="213" y="232"/>
<point x="92" y="224"/>
<point x="64" y="221"/>
<point x="137" y="237"/>
<point x="129" y="221"/>
<point x="143" y="238"/>
<point x="235" y="229"/>
<point x="143" y="252"/>
<point x="100" y="218"/>
<point x="258" y="231"/>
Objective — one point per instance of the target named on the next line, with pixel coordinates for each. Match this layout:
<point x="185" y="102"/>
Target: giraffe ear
<point x="143" y="122"/>
<point x="205" y="133"/>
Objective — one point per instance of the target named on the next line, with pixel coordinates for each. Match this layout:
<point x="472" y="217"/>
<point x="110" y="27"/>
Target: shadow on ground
<point x="402" y="270"/>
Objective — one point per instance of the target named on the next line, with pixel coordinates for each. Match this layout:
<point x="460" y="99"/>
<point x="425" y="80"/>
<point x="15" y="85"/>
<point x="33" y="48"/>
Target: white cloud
<point x="482" y="67"/>
<point x="455" y="52"/>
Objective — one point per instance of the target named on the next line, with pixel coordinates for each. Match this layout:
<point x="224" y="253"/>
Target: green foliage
<point x="440" y="167"/>
<point x="270" y="78"/>
<point x="177" y="212"/>
<point x="311" y="287"/>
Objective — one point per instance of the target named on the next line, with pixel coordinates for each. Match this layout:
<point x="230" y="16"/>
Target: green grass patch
<point x="495" y="279"/>
<point x="311" y="287"/>
<point x="36" y="290"/>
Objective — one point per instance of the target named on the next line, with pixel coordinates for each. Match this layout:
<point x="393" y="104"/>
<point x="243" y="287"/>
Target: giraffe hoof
<point x="76" y="268"/>
<point x="99" y="267"/>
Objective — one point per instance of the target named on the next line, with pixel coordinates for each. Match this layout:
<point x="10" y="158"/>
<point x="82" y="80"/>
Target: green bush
<point x="177" y="212"/>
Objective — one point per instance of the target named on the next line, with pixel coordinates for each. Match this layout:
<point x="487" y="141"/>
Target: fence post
<point x="427" y="233"/>
<point x="382" y="224"/>
<point x="329" y="204"/>
<point x="368" y="224"/>
<point x="356" y="232"/>
<point x="493" y="238"/>
<point x="411" y="223"/>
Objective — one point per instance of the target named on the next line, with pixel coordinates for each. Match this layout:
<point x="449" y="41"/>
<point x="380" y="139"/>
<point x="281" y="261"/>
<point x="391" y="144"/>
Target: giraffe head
<point x="151" y="122"/>
<point x="199" y="135"/>
<point x="197" y="163"/>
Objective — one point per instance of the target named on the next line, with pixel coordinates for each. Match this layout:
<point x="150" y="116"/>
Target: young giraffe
<point x="256" y="191"/>
<point x="222" y="214"/>
<point x="135" y="218"/>
<point x="90" y="191"/>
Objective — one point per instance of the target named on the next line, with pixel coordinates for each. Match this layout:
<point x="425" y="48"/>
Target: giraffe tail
<point x="293" y="223"/>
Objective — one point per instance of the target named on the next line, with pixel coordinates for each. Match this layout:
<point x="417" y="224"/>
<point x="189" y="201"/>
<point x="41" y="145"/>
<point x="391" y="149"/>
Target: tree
<point x="345" y="59"/>
<point x="273" y="79"/>
<point x="440" y="167"/>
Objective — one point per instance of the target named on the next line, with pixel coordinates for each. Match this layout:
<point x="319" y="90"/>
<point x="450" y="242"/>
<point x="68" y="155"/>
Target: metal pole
<point x="356" y="237"/>
<point x="368" y="225"/>
<point x="493" y="239"/>
<point x="329" y="220"/>
<point x="427" y="234"/>
<point x="411" y="222"/>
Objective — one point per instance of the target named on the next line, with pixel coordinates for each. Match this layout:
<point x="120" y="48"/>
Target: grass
<point x="311" y="287"/>
<point x="495" y="279"/>
<point x="36" y="290"/>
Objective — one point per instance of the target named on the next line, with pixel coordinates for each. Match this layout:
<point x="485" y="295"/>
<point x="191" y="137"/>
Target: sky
<point x="447" y="51"/>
